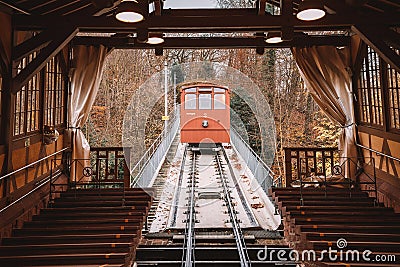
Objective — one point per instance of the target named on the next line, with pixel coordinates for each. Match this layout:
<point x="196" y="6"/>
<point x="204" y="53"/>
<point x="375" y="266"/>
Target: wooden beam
<point x="14" y="7"/>
<point x="210" y="12"/>
<point x="211" y="42"/>
<point x="33" y="44"/>
<point x="102" y="3"/>
<point x="52" y="49"/>
<point x="203" y="22"/>
<point x="373" y="38"/>
<point x="287" y="12"/>
<point x="392" y="38"/>
<point x="157" y="7"/>
<point x="3" y="65"/>
<point x="356" y="3"/>
<point x="261" y="7"/>
<point x="105" y="10"/>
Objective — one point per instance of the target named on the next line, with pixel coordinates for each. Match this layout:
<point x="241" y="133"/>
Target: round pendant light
<point x="131" y="11"/>
<point x="311" y="10"/>
<point x="274" y="37"/>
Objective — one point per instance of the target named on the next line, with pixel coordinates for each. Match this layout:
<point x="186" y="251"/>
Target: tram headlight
<point x="204" y="124"/>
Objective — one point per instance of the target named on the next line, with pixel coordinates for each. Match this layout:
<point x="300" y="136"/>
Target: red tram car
<point x="205" y="114"/>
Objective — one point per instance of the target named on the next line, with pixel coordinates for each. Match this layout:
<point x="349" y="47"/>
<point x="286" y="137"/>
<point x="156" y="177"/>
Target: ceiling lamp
<point x="274" y="37"/>
<point x="310" y="10"/>
<point x="131" y="11"/>
<point x="155" y="38"/>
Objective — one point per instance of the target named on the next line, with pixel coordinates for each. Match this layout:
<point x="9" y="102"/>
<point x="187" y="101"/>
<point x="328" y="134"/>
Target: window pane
<point x="370" y="90"/>
<point x="190" y="90"/>
<point x="219" y="101"/>
<point x="219" y="90"/>
<point x="54" y="94"/>
<point x="190" y="101"/>
<point x="394" y="96"/>
<point x="205" y="89"/>
<point x="204" y="101"/>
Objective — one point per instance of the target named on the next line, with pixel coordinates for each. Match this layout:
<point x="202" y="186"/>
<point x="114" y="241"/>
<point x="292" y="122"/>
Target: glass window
<point x="394" y="96"/>
<point x="54" y="94"/>
<point x="204" y="101"/>
<point x="219" y="90"/>
<point x="27" y="106"/>
<point x="370" y="90"/>
<point x="190" y="90"/>
<point x="205" y="89"/>
<point x="190" y="101"/>
<point x="219" y="101"/>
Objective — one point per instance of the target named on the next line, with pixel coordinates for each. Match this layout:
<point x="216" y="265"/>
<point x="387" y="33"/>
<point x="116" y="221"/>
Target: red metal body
<point x="205" y="113"/>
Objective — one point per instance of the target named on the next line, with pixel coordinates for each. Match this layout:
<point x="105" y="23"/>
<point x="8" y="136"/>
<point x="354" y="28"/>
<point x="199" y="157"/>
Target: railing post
<point x="288" y="166"/>
<point x="127" y="175"/>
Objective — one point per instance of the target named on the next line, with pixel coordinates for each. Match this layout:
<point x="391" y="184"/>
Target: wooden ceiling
<point x="96" y="7"/>
<point x="59" y="22"/>
<point x="241" y="24"/>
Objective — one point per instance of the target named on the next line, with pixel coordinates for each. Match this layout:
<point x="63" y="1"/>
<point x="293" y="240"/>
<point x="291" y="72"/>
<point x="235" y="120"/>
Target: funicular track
<point x="188" y="257"/>
<point x="237" y="231"/>
<point x="202" y="246"/>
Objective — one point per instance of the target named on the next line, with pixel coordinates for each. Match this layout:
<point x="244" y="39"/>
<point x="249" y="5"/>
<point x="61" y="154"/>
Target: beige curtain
<point x="326" y="73"/>
<point x="88" y="64"/>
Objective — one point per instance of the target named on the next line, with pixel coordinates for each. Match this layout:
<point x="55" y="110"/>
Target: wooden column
<point x="288" y="167"/>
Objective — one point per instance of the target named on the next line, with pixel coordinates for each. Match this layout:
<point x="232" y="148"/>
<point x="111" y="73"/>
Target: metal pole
<point x="174" y="92"/>
<point x="165" y="95"/>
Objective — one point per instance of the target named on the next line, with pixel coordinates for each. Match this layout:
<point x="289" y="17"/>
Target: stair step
<point x="24" y="250"/>
<point x="67" y="239"/>
<point x="329" y="228"/>
<point x="320" y="236"/>
<point x="345" y="220"/>
<point x="357" y="245"/>
<point x="77" y="230"/>
<point x="62" y="259"/>
<point x="83" y="221"/>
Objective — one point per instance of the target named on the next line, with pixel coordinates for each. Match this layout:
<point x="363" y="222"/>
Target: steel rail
<point x="246" y="207"/>
<point x="240" y="243"/>
<point x="188" y="256"/>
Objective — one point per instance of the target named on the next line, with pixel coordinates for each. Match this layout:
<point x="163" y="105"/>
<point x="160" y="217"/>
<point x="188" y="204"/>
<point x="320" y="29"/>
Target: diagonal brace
<point x="47" y="53"/>
<point x="374" y="40"/>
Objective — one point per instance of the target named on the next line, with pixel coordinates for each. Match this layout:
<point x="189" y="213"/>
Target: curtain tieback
<point x="75" y="128"/>
<point x="348" y="125"/>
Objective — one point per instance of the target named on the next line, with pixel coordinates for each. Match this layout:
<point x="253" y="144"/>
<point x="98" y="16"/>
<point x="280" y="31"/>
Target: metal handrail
<point x="379" y="153"/>
<point x="253" y="152"/>
<point x="37" y="186"/>
<point x="341" y="167"/>
<point x="147" y="156"/>
<point x="260" y="160"/>
<point x="33" y="163"/>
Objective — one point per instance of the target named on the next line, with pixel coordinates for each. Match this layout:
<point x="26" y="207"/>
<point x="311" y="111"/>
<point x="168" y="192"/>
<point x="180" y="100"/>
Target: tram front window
<point x="219" y="101"/>
<point x="190" y="101"/>
<point x="204" y="101"/>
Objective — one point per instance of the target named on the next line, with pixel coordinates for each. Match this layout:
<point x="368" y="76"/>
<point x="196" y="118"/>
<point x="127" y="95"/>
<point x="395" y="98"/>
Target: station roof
<point x="207" y="27"/>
